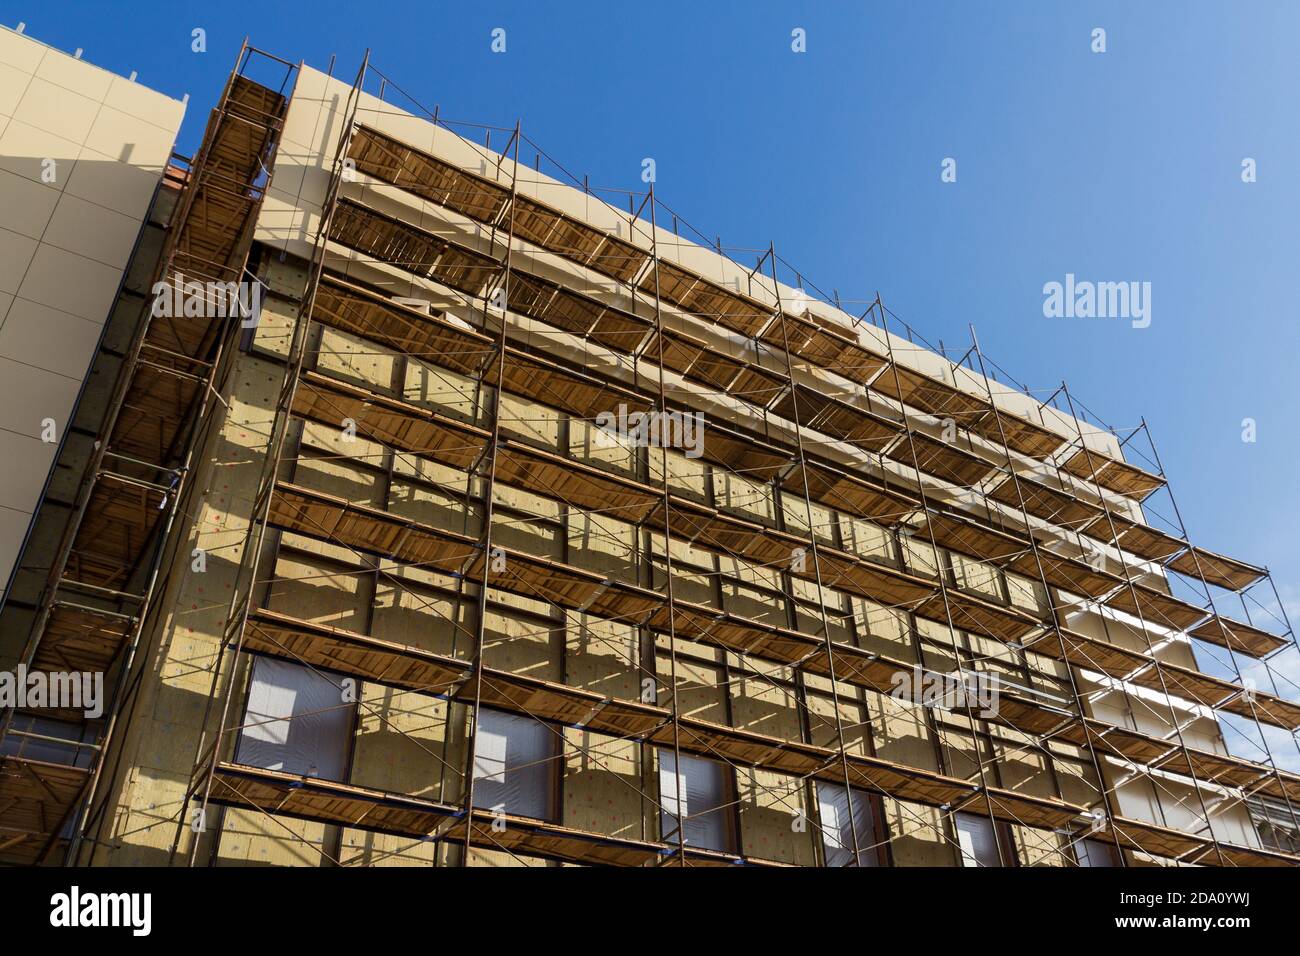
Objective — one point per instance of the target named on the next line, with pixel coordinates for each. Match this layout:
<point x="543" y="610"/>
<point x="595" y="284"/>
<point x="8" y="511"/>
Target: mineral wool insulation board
<point x="81" y="155"/>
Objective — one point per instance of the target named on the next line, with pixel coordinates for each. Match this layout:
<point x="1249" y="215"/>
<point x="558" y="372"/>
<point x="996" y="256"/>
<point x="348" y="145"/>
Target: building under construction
<point x="516" y="523"/>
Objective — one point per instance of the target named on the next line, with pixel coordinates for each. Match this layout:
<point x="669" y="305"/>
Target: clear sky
<point x="1117" y="166"/>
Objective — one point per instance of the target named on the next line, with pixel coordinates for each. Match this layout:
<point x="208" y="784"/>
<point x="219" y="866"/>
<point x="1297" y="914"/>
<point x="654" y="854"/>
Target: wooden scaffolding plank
<point x="825" y="346"/>
<point x="385" y="158"/>
<point x="1041" y="501"/>
<point x="35" y="796"/>
<point x="693" y="358"/>
<point x="1156" y="607"/>
<point x="80" y="639"/>
<point x="1134" y="537"/>
<point x="931" y="395"/>
<point x="1243" y="638"/>
<point x="574" y="312"/>
<point x="858" y="427"/>
<point x="707" y="300"/>
<point x="1217" y="569"/>
<point x="1112" y="474"/>
<point x="1022" y="435"/>
<point x="942" y="460"/>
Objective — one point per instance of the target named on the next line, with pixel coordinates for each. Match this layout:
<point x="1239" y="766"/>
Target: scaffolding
<point x="829" y="421"/>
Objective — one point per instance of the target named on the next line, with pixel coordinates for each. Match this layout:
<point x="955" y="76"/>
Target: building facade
<point x="506" y="525"/>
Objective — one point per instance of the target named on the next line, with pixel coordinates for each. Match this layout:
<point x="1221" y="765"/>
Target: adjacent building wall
<point x="81" y="155"/>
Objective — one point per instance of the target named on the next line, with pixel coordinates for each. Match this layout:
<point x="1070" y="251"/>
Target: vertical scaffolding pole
<point x="471" y="748"/>
<point x="668" y="553"/>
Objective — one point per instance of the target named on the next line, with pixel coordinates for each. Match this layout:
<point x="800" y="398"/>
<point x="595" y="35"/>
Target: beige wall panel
<point x="523" y="646"/>
<point x="1078" y="782"/>
<point x="519" y="603"/>
<point x="319" y="592"/>
<point x="822" y="728"/>
<point x="479" y="856"/>
<point x="959" y="752"/>
<point x="1025" y="593"/>
<point x="882" y="630"/>
<point x="774" y="814"/>
<point x="90" y="230"/>
<point x="337" y="553"/>
<point x="48" y="339"/>
<point x="252" y="838"/>
<point x="686" y="476"/>
<point x="275" y="326"/>
<point x="332" y="442"/>
<point x="90" y="297"/>
<point x="796" y="518"/>
<point x="756" y="605"/>
<point x="355" y="360"/>
<point x="421" y="619"/>
<point x="16" y="253"/>
<point x="602" y="784"/>
<point x="56" y="109"/>
<point x="900" y="732"/>
<point x="689" y="586"/>
<point x="1039" y="847"/>
<point x="589" y="444"/>
<point x="919" y="556"/>
<point x="763" y="707"/>
<point x="1135" y="799"/>
<point x="866" y="539"/>
<point x="917" y="835"/>
<point x="536" y="506"/>
<point x="27" y="462"/>
<point x="519" y="533"/>
<point x="603" y="657"/>
<point x="433" y="507"/>
<point x="326" y="473"/>
<point x="402" y="745"/>
<point x="604" y="545"/>
<point x="29" y="204"/>
<point x="1020" y="766"/>
<point x="736" y="493"/>
<point x="698" y="692"/>
<point x="13" y="526"/>
<point x="366" y="848"/>
<point x="431" y="472"/>
<point x="529" y="421"/>
<point x="445" y="391"/>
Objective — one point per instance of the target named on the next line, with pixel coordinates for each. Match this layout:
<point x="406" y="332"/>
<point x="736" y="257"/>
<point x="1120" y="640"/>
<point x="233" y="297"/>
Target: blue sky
<point x="1123" y="165"/>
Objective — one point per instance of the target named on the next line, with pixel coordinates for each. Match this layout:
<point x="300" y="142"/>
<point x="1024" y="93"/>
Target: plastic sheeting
<point x="1095" y="853"/>
<point x="514" y="764"/>
<point x="696" y="792"/>
<point x="837" y="832"/>
<point x="296" y="721"/>
<point x="978" y="842"/>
